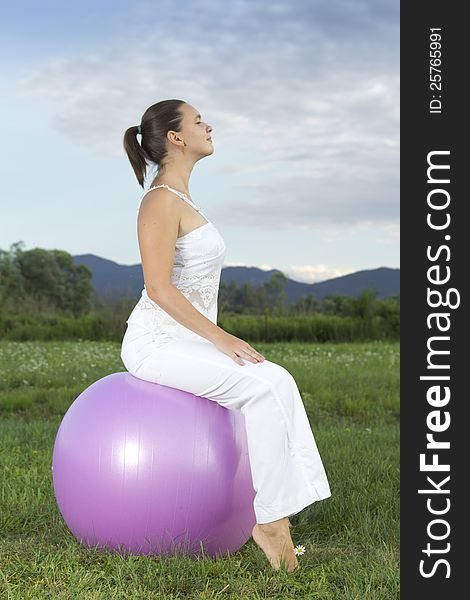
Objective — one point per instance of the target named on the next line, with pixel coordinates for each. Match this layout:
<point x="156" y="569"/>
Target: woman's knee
<point x="272" y="373"/>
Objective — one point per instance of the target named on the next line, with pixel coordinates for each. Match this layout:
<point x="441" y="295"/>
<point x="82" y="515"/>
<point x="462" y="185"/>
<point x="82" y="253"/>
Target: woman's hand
<point x="237" y="349"/>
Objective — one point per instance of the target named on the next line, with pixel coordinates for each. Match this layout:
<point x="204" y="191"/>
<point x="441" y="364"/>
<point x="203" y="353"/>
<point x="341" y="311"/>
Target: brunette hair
<point x="156" y="121"/>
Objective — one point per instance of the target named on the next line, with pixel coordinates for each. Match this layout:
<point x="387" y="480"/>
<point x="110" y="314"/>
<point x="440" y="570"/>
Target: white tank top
<point x="197" y="266"/>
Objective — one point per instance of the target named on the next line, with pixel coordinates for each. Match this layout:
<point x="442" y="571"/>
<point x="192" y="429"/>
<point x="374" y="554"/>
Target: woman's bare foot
<point x="275" y="541"/>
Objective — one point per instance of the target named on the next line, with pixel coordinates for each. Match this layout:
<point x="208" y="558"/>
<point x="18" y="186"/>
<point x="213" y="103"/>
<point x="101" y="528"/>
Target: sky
<point x="302" y="96"/>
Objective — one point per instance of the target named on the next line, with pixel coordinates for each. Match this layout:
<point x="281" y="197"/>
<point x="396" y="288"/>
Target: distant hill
<point x="113" y="280"/>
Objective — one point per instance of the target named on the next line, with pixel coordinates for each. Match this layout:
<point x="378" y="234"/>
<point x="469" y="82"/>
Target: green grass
<point x="351" y="393"/>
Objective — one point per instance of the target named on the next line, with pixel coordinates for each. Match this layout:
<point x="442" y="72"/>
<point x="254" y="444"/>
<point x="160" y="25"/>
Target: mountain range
<point x="111" y="279"/>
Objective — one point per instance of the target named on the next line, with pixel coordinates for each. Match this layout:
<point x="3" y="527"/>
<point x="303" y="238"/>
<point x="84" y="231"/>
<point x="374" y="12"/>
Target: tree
<point x="12" y="283"/>
<point x="336" y="304"/>
<point x="306" y="305"/>
<point x="44" y="280"/>
<point x="365" y="306"/>
<point x="275" y="291"/>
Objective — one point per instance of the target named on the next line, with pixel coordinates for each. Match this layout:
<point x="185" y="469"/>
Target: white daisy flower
<point x="299" y="549"/>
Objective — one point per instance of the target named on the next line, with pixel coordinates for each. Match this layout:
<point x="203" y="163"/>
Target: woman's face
<point x="195" y="132"/>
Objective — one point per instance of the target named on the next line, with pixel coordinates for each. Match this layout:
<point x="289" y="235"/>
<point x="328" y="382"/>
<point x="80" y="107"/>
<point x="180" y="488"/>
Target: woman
<point x="173" y="339"/>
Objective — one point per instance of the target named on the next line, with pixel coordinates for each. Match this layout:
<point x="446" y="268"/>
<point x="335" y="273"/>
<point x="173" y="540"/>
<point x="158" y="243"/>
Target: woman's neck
<point x="176" y="178"/>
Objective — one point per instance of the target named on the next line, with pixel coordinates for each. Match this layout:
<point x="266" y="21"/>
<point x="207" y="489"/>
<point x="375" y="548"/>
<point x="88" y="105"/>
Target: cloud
<point x="305" y="95"/>
<point x="314" y="273"/>
<point x="300" y="273"/>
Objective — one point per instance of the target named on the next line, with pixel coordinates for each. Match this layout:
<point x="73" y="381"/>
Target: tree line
<point x="46" y="284"/>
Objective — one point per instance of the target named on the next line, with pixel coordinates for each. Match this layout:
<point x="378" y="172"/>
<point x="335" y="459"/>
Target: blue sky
<point x="303" y="98"/>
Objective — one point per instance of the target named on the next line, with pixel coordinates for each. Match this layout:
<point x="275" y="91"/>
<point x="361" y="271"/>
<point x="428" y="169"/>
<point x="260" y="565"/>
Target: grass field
<point x="351" y="394"/>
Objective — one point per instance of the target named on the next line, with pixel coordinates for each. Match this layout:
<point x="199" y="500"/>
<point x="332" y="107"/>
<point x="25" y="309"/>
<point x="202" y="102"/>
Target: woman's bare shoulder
<point x="158" y="200"/>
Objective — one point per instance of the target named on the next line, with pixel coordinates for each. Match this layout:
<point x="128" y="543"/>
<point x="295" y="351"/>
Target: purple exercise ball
<point x="142" y="468"/>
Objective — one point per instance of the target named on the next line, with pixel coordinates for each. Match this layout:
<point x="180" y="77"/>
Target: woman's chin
<point x="206" y="153"/>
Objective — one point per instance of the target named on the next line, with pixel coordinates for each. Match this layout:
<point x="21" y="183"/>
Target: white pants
<point x="286" y="467"/>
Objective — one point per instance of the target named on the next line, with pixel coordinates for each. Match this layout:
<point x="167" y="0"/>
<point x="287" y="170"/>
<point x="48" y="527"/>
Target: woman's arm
<point x="180" y="308"/>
